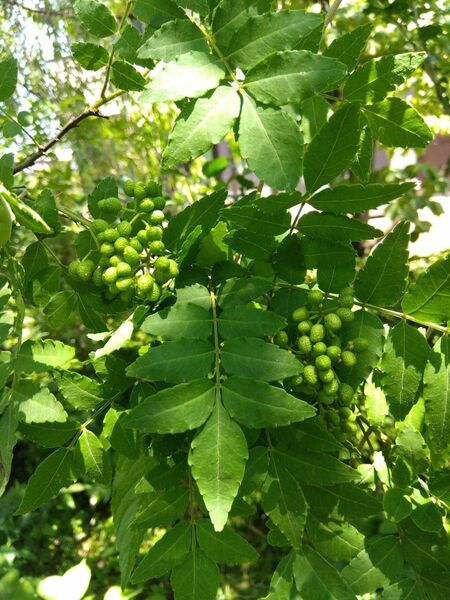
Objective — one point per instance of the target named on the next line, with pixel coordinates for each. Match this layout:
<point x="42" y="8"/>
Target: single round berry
<point x="101" y="237"/>
<point x="123" y="269"/>
<point x="72" y="269"/>
<point x="140" y="190"/>
<point x="310" y="375"/>
<point x="110" y="206"/>
<point x="300" y="314"/>
<point x="331" y="387"/>
<point x="124" y="228"/>
<point x="304" y="327"/>
<point x="323" y="363"/>
<point x="99" y="225"/>
<point x="317" y="333"/>
<point x="346" y="315"/>
<point x="349" y="428"/>
<point x="174" y="269"/>
<point x="104" y="262"/>
<point x="161" y="277"/>
<point x="345" y="393"/>
<point x="157" y="217"/>
<point x="111" y="235"/>
<point x="345" y="301"/>
<point x="333" y="417"/>
<point x="124" y="284"/>
<point x="107" y="249"/>
<point x="315" y="297"/>
<point x="159" y="202"/>
<point x="162" y="263"/>
<point x="304" y="344"/>
<point x="154" y="234"/>
<point x="296" y="382"/>
<point x="109" y="275"/>
<point x="327" y="376"/>
<point x="128" y="188"/>
<point x="141" y="235"/>
<point x="319" y="348"/>
<point x="136" y="244"/>
<point x="131" y="256"/>
<point x="157" y="247"/>
<point x="146" y="206"/>
<point x="153" y="188"/>
<point x="348" y="358"/>
<point x="114" y="260"/>
<point x="347" y="291"/>
<point x="154" y="293"/>
<point x="332" y="322"/>
<point x="325" y="398"/>
<point x="97" y="277"/>
<point x="120" y="244"/>
<point x="281" y="339"/>
<point x="334" y="352"/>
<point x="144" y="283"/>
<point x="360" y="344"/>
<point x="345" y="412"/>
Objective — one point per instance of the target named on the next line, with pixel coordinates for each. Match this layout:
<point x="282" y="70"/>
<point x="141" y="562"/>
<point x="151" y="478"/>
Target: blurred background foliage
<point x="129" y="142"/>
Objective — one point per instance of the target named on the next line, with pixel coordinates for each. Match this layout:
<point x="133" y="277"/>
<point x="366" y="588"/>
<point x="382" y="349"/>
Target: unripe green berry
<point x="332" y="322"/>
<point x="144" y="283"/>
<point x="159" y="202"/>
<point x="345" y="301"/>
<point x="128" y="188"/>
<point x="345" y="393"/>
<point x="124" y="284"/>
<point x="127" y="295"/>
<point x="140" y="190"/>
<point x="349" y="428"/>
<point x="120" y="244"/>
<point x="123" y="269"/>
<point x="310" y="375"/>
<point x="300" y="314"/>
<point x="104" y="262"/>
<point x="317" y="333"/>
<point x="157" y="247"/>
<point x="146" y="206"/>
<point x="107" y="249"/>
<point x="162" y="263"/>
<point x="131" y="256"/>
<point x="157" y="217"/>
<point x="112" y="289"/>
<point x="161" y="277"/>
<point x="111" y="235"/>
<point x="346" y="315"/>
<point x="174" y="269"/>
<point x="136" y="244"/>
<point x="155" y="293"/>
<point x="319" y="348"/>
<point x="114" y="260"/>
<point x="315" y="297"/>
<point x="101" y="237"/>
<point x="281" y="339"/>
<point x="141" y="235"/>
<point x="360" y="344"/>
<point x="110" y="206"/>
<point x="345" y="412"/>
<point x="72" y="269"/>
<point x="325" y="398"/>
<point x="124" y="228"/>
<point x="296" y="382"/>
<point x="348" y="358"/>
<point x="327" y="376"/>
<point x="99" y="225"/>
<point x="333" y="417"/>
<point x="153" y="188"/>
<point x="347" y="291"/>
<point x="154" y="234"/>
<point x="323" y="363"/>
<point x="334" y="352"/>
<point x="109" y="276"/>
<point x="304" y="344"/>
<point x="331" y="387"/>
<point x="97" y="277"/>
<point x="304" y="327"/>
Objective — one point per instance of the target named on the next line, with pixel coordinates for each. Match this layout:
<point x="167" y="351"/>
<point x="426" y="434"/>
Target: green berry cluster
<point x="131" y="261"/>
<point x="320" y="350"/>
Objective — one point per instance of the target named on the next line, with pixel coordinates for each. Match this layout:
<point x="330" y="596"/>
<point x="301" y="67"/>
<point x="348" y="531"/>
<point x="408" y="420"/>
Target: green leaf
<point x="201" y="124"/>
<point x="163" y="509"/>
<point x="382" y="280"/>
<point x="254" y="358"/>
<point x="33" y="261"/>
<point x="427" y="298"/>
<point x="231" y="15"/>
<point x="90" y="56"/>
<point x="314" y="113"/>
<point x="91" y="459"/>
<point x="284" y="502"/>
<point x="396" y="124"/>
<point x="189" y="76"/>
<point x="436" y="583"/>
<point x="282" y="579"/>
<point x="369" y="326"/>
<point x="256" y="404"/>
<point x="379" y="564"/>
<point x="357" y="198"/>
<point x="60" y="308"/>
<point x="52" y="474"/>
<point x="125" y="77"/>
<point x="249" y="322"/>
<point x="36" y="404"/>
<point x="336" y="227"/>
<point x="8" y="77"/>
<point x="11" y="129"/>
<point x="337" y="540"/>
<point x="118" y="339"/>
<point x="403" y="363"/>
<point x="272" y="144"/>
<point x="396" y="504"/>
<point x="26" y="215"/>
<point x="174" y="362"/>
<point x="50" y="435"/>
<point x="196" y="579"/>
<point x="95" y="17"/>
<point x="157" y="12"/>
<point x="291" y="76"/>
<point x="45" y="205"/>
<point x="194" y="294"/>
<point x="8" y="438"/>
<point x="241" y="290"/>
<point x="362" y="165"/>
<point x="7" y="169"/>
<point x="409" y="589"/>
<point x="287" y="262"/>
<point x="375" y="78"/>
<point x="173" y="39"/>
<point x="333" y="148"/>
<point x="226" y="546"/>
<point x="316" y="578"/>
<point x="353" y="501"/>
<point x="39" y="356"/>
<point x="316" y="253"/>
<point x="316" y="469"/>
<point x="437" y="395"/>
<point x="105" y="188"/>
<point x="263" y="35"/>
<point x="174" y="410"/>
<point x="79" y="391"/>
<point x="167" y="553"/>
<point x="251" y="218"/>
<point x="180" y="321"/>
<point x="348" y="47"/>
<point x="123" y="440"/>
<point x="127" y="45"/>
<point x="217" y="459"/>
<point x="202" y="7"/>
